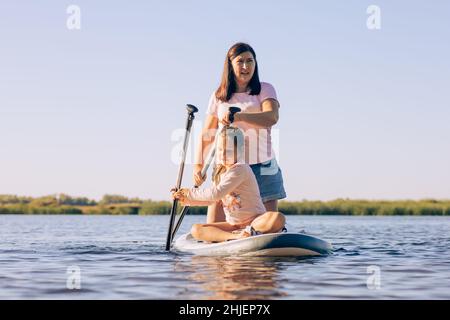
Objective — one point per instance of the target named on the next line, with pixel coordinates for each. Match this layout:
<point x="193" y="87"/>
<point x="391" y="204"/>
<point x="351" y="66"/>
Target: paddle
<point x="206" y="165"/>
<point x="191" y="110"/>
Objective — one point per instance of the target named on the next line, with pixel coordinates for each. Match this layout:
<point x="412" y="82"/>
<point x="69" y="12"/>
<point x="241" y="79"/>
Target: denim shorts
<point x="270" y="180"/>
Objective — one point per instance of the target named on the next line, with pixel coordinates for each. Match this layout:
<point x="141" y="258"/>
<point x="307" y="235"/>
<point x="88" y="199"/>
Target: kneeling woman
<point x="235" y="186"/>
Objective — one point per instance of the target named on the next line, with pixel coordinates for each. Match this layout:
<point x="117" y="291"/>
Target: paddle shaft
<point x="191" y="110"/>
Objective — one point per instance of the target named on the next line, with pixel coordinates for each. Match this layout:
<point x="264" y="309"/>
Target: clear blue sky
<point x="364" y="113"/>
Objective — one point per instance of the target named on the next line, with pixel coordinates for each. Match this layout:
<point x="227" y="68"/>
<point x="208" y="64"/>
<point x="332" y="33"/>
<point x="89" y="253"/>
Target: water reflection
<point x="237" y="278"/>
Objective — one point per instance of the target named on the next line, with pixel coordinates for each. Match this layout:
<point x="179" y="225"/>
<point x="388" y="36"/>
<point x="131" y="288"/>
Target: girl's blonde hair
<point x="232" y="140"/>
<point x="219" y="169"/>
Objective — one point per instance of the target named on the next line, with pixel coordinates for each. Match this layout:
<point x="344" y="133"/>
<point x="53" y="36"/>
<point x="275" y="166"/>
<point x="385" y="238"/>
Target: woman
<point x="240" y="87"/>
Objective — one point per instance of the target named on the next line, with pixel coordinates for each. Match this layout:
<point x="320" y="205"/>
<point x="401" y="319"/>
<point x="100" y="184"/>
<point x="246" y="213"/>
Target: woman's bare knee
<point x="269" y="222"/>
<point x="279" y="220"/>
<point x="196" y="230"/>
<point x="276" y="220"/>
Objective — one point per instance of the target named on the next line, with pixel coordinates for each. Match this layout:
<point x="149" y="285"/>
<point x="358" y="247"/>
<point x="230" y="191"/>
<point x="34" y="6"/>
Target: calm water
<point x="123" y="257"/>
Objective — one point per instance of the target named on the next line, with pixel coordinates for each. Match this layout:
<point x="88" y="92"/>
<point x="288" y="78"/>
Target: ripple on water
<point x="413" y="257"/>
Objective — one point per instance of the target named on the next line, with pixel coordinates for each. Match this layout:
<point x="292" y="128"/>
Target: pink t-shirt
<point x="239" y="192"/>
<point x="258" y="139"/>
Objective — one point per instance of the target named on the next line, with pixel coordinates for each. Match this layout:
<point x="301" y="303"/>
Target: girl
<point x="236" y="188"/>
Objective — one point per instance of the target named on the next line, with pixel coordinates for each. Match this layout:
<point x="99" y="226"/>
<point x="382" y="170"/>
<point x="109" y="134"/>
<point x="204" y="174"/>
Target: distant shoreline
<point x="120" y="205"/>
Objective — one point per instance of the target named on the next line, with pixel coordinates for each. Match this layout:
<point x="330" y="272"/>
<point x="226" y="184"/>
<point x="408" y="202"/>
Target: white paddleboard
<point x="273" y="244"/>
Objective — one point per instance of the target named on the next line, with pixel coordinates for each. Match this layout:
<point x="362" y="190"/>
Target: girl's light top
<point x="239" y="192"/>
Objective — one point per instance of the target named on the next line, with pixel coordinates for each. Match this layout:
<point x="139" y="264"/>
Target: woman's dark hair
<point x="228" y="83"/>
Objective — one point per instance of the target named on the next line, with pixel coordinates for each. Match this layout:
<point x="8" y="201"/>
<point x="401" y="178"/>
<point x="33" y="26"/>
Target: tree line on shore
<point x="121" y="205"/>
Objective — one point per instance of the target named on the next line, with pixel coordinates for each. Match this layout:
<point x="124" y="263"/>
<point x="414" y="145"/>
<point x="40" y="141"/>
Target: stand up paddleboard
<point x="287" y="244"/>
